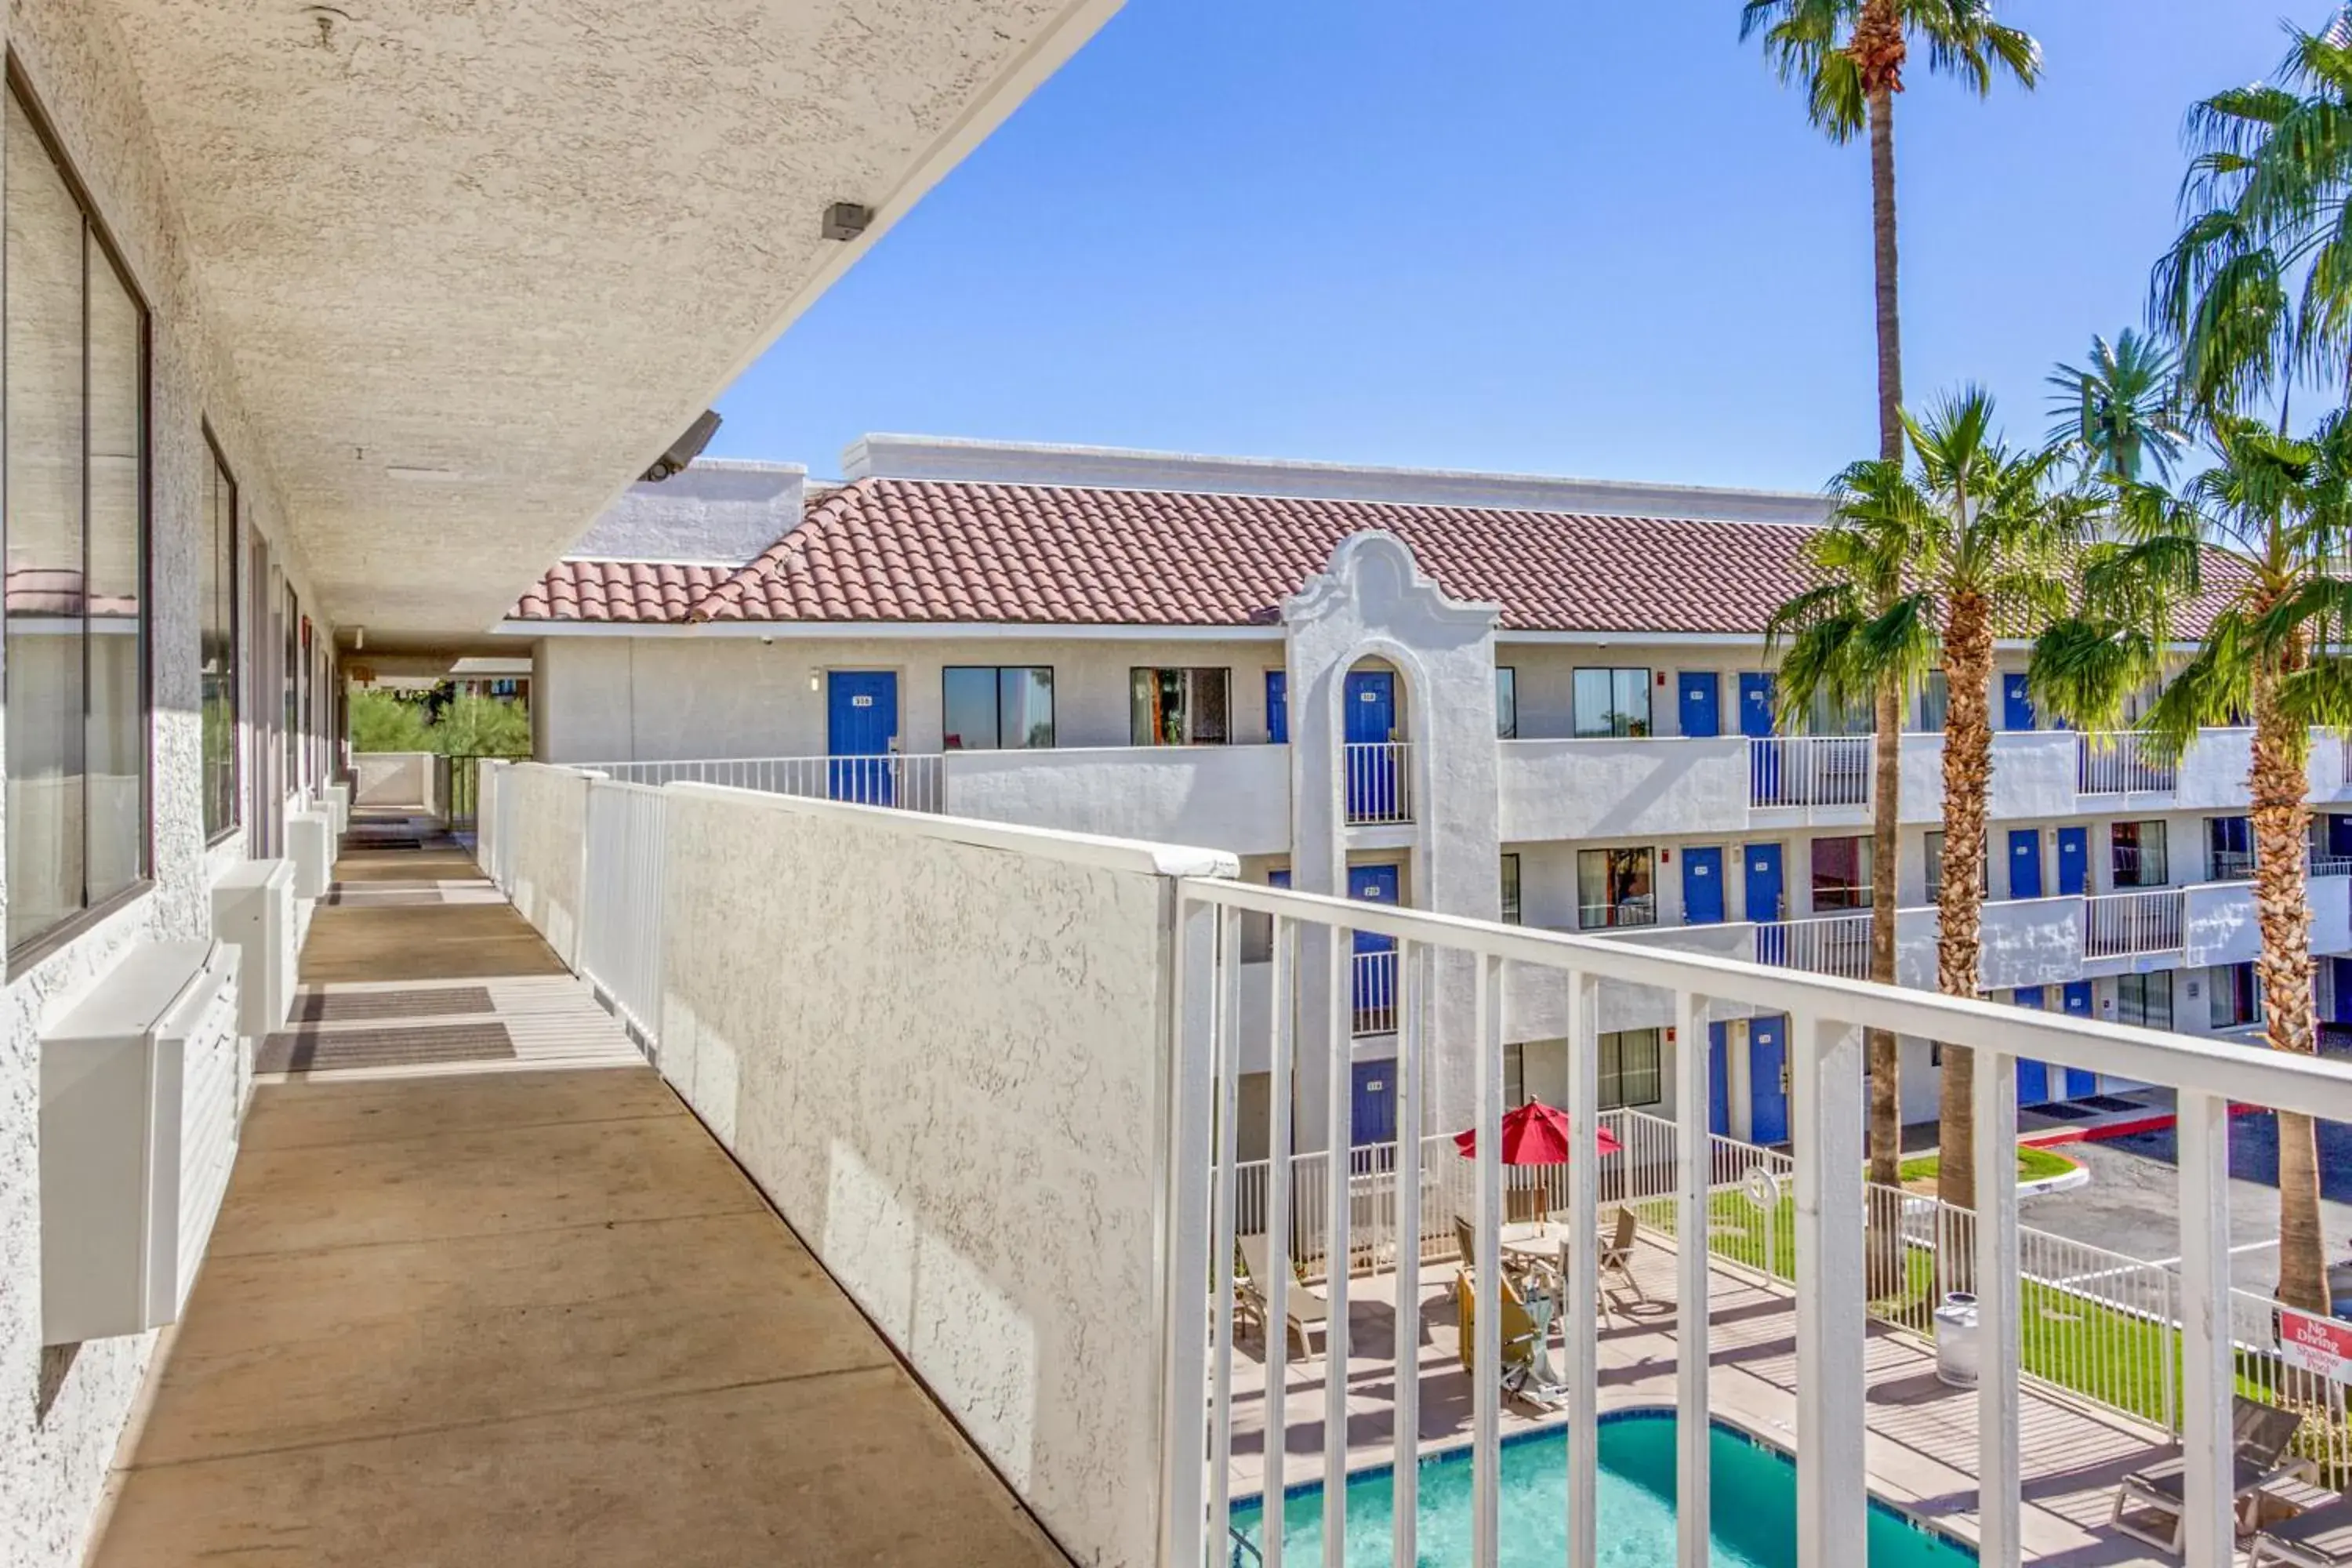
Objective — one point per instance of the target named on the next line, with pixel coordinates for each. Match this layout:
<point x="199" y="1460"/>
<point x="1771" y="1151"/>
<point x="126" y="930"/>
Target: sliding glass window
<point x="217" y="647"/>
<point x="987" y="706"/>
<point x="75" y="369"/>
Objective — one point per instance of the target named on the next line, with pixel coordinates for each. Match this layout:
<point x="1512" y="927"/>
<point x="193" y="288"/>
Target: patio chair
<point x="1466" y="1236"/>
<point x="2149" y="1505"/>
<point x="2318" y="1537"/>
<point x="1303" y="1306"/>
<point x="1617" y="1258"/>
<point x="1523" y="1206"/>
<point x="1521" y="1340"/>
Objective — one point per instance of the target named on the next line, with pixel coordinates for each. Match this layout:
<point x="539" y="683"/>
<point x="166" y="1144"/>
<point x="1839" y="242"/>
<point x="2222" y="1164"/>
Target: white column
<point x="2208" y="1375"/>
<point x="1405" y="1486"/>
<point x="1486" y="1217"/>
<point x="1184" y="1226"/>
<point x="1832" y="1496"/>
<point x="1225" y="1011"/>
<point x="1693" y="1167"/>
<point x="1581" y="1335"/>
<point x="1279" y="1246"/>
<point x="1999" y="1358"/>
<point x="1336" y="1249"/>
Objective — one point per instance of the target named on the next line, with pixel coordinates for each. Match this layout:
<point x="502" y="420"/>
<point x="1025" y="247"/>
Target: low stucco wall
<point x="1617" y="788"/>
<point x="1235" y="798"/>
<point x="939" y="1047"/>
<point x="549" y="823"/>
<point x="395" y="780"/>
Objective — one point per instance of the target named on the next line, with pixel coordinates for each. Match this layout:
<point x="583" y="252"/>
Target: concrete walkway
<point x="512" y="1308"/>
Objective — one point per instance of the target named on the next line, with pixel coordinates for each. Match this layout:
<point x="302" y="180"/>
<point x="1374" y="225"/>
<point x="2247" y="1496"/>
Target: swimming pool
<point x="1755" y="1506"/>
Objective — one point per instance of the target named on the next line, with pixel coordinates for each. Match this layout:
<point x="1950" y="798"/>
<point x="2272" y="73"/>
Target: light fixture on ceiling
<point x="847" y="220"/>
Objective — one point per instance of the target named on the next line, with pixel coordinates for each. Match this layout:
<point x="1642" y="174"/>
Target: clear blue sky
<point x="1550" y="236"/>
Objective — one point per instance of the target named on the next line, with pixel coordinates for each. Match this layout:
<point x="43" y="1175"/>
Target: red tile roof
<point x="905" y="550"/>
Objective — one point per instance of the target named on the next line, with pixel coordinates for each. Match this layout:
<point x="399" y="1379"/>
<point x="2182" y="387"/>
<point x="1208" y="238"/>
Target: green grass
<point x="2033" y="1165"/>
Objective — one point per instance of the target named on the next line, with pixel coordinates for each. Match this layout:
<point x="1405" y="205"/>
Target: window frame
<point x="1513" y="910"/>
<point x="1610" y="1048"/>
<point x="1506" y="711"/>
<point x="1584" y="921"/>
<point x="1224" y="672"/>
<point x="2142" y="982"/>
<point x="1619" y="725"/>
<point x="2138" y="850"/>
<point x="996" y="697"/>
<point x="98" y="239"/>
<point x="233" y="589"/>
<point x="2236" y="982"/>
<point x="1855" y="900"/>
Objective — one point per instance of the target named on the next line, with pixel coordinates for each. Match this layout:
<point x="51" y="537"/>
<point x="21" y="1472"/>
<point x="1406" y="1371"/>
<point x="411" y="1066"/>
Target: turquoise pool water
<point x="1755" y="1507"/>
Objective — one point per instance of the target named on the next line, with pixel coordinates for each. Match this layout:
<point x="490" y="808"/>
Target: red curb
<point x="2156" y="1122"/>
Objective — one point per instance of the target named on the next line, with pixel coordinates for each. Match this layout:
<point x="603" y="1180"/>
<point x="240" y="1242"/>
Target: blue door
<point x="2077" y="999"/>
<point x="1756" y="723"/>
<point x="1702" y="691"/>
<point x="2032" y="1078"/>
<point x="1277" y="707"/>
<point x="1767" y="1080"/>
<point x="2025" y="862"/>
<point x="1373" y="1112"/>
<point x="1372" y="781"/>
<point x="2339" y="834"/>
<point x="1375" y="984"/>
<point x="1703" y="886"/>
<point x="2074" y="861"/>
<point x="2016" y="707"/>
<point x="1719" y="1080"/>
<point x="861" y="721"/>
<point x="1763" y="880"/>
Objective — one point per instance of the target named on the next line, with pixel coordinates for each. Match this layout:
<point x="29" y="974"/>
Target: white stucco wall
<point x="1621" y="788"/>
<point x="549" y="823"/>
<point x="63" y="1411"/>
<point x="1223" y="797"/>
<point x="940" y="1050"/>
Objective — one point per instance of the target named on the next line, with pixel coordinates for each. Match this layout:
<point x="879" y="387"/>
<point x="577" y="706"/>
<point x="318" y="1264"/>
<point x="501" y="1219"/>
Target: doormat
<point x="345" y="1007"/>
<point x="321" y="1050"/>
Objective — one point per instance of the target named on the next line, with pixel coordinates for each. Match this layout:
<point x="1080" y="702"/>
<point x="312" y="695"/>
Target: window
<point x="216" y="648"/>
<point x="293" y="670"/>
<point x="2237" y="995"/>
<point x="990" y="707"/>
<point x="2230" y="849"/>
<point x="1514" y="1075"/>
<point x="1615" y="888"/>
<point x="1511" y="889"/>
<point x="2139" y="859"/>
<point x="1176" y="706"/>
<point x="2145" y="999"/>
<point x="1827" y="718"/>
<point x="1842" y="873"/>
<point x="1628" y="1068"/>
<point x="1612" y="702"/>
<point x="1934" y="700"/>
<point x="76" y="505"/>
<point x="1507" y="703"/>
<point x="1935" y="860"/>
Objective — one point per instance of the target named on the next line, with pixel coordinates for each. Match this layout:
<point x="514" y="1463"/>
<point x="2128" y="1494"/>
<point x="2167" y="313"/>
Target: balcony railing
<point x="2120" y="762"/>
<point x="1634" y="910"/>
<point x="1379" y="781"/>
<point x="1374" y="994"/>
<point x="2321" y="866"/>
<point x="2115" y="925"/>
<point x="1098" y="988"/>
<point x="2238" y="866"/>
<point x="1831" y="945"/>
<point x="1809" y="770"/>
<point x="909" y="782"/>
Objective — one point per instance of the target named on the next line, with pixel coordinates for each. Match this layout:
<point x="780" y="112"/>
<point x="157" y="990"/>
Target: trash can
<point x="1956" y="1339"/>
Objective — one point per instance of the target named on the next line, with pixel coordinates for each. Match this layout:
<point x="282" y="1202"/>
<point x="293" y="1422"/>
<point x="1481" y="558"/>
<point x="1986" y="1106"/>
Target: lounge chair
<point x="2319" y="1537"/>
<point x="1521" y="1342"/>
<point x="1303" y="1308"/>
<point x="2149" y="1504"/>
<point x="1617" y="1258"/>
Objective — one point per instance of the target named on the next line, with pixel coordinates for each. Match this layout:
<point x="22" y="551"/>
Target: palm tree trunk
<point x="1884" y="1057"/>
<point x="1883" y="256"/>
<point x="2282" y="908"/>
<point x="1959" y="903"/>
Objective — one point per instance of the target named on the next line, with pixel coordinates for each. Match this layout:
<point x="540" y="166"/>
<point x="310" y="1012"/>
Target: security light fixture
<point x="847" y="220"/>
<point x="685" y="450"/>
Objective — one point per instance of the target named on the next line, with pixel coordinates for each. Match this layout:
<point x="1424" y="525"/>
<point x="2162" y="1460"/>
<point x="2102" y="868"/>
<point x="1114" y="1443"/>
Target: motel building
<point x="1542" y="701"/>
<point x="801" y="1114"/>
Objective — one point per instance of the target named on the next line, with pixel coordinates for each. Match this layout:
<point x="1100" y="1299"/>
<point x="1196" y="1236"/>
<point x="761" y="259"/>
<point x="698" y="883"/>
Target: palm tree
<point x="2258" y="288"/>
<point x="2121" y="411"/>
<point x="1969" y="538"/>
<point x="1849" y="56"/>
<point x="2259" y="539"/>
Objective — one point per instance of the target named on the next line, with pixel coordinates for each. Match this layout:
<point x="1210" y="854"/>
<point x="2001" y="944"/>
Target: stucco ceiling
<point x="478" y="263"/>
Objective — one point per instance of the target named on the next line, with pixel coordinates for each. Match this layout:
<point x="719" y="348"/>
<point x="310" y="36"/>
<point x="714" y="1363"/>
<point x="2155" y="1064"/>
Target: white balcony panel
<point x="2033" y="775"/>
<point x="2024" y="941"/>
<point x="2212" y="773"/>
<point x="1235" y="798"/>
<point x="2223" y="927"/>
<point x="1621" y="788"/>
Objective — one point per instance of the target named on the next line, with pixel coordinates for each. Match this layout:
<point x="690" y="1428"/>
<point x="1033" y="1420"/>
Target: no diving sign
<point x="2319" y="1345"/>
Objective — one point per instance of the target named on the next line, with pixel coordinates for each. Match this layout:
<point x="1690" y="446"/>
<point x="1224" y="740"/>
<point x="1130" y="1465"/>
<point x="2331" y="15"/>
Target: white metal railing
<point x="1378" y="779"/>
<point x="1373" y="1010"/>
<point x="2238" y="866"/>
<point x="1827" y="944"/>
<point x="910" y="782"/>
<point x="1809" y="770"/>
<point x="2118" y="924"/>
<point x="1635" y="909"/>
<point x="620" y="933"/>
<point x="2321" y="866"/>
<point x="1448" y="1073"/>
<point x="2120" y="762"/>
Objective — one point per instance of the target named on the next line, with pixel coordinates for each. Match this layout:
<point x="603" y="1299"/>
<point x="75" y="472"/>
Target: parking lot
<point x="2132" y="1204"/>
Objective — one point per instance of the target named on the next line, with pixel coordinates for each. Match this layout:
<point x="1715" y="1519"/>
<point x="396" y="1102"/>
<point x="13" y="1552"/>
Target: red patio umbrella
<point x="1536" y="1134"/>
